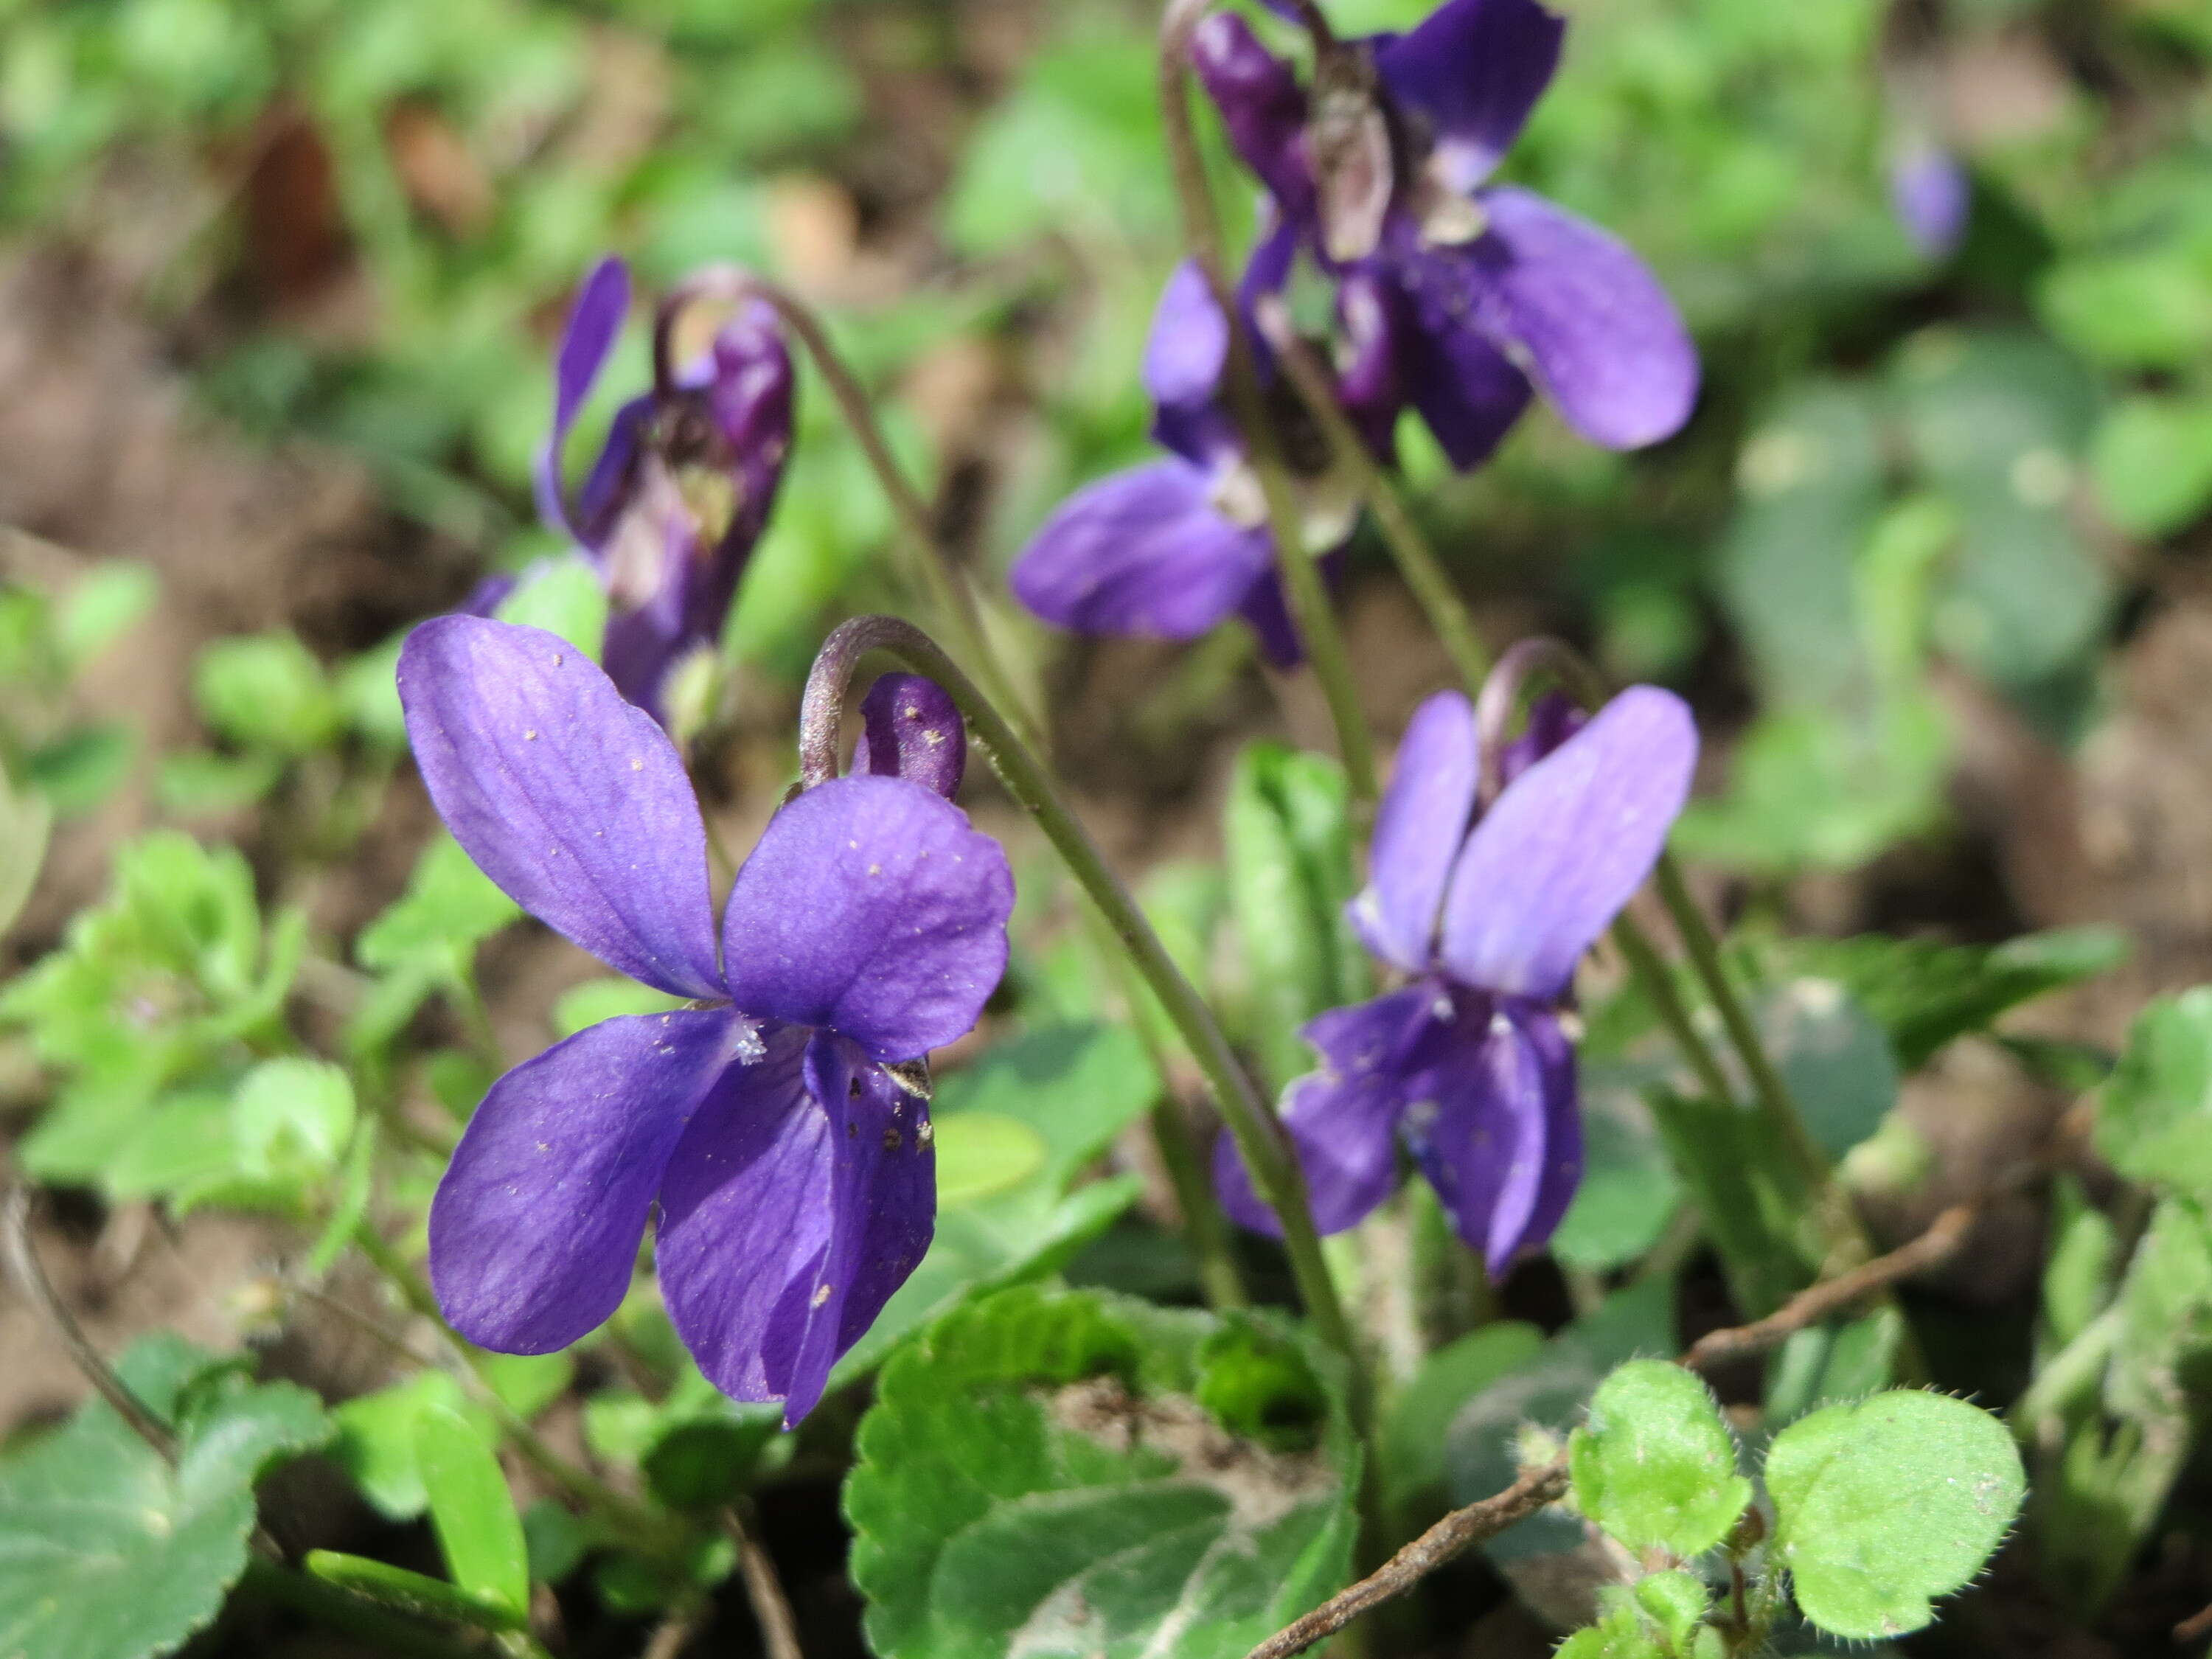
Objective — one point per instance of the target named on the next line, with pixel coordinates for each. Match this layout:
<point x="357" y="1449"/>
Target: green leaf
<point x="266" y="691"/>
<point x="562" y="596"/>
<point x="449" y="909"/>
<point x="471" y="1509"/>
<point x="2152" y="460"/>
<point x="1039" y="1473"/>
<point x="981" y="1153"/>
<point x="2079" y="1262"/>
<point x="25" y="821"/>
<point x="375" y="1442"/>
<point x="1073" y="1089"/>
<point x="293" y="1118"/>
<point x="527" y="1383"/>
<point x="2150" y="310"/>
<point x="1884" y="1505"/>
<point x="1834" y="1058"/>
<point x="105" y="1552"/>
<point x="1653" y="1465"/>
<point x="1629" y="1189"/>
<point x="596" y="1000"/>
<point x="1925" y="993"/>
<point x="1410" y="1452"/>
<point x="1676" y="1601"/>
<point x="2164" y="1306"/>
<point x="1619" y="1635"/>
<point x="2155" y="1114"/>
<point x="107" y="602"/>
<point x="410" y="1592"/>
<point x="1288" y="852"/>
<point x="78" y="770"/>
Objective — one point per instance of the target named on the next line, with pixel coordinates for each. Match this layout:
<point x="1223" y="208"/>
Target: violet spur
<point x="791" y="1163"/>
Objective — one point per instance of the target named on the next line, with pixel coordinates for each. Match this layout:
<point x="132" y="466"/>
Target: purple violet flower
<point x="671" y="510"/>
<point x="1170" y="549"/>
<point x="769" y="1120"/>
<point x="1932" y="198"/>
<point x="1379" y="175"/>
<point x="1487" y="908"/>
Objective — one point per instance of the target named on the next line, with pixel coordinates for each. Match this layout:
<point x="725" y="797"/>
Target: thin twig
<point x="30" y="1277"/>
<point x="2194" y="1628"/>
<point x="672" y="1633"/>
<point x="779" y="1630"/>
<point x="1809" y="1307"/>
<point x="1439" y="1544"/>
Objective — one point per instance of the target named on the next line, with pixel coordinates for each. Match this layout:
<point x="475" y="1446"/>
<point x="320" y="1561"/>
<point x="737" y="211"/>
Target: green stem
<point x="1771" y="1093"/>
<point x="1260" y="1138"/>
<point x="1302" y="583"/>
<point x="1657" y="982"/>
<point x="1417" y="560"/>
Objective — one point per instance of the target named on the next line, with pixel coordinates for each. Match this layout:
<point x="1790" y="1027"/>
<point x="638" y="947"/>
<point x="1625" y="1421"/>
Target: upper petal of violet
<point x="1418" y="831"/>
<point x="1565" y="846"/>
<point x="535" y="1227"/>
<point x="1599" y="332"/>
<point x="594" y="322"/>
<point x="870" y="909"/>
<point x="1468" y="74"/>
<point x="1261" y="104"/>
<point x="910" y="729"/>
<point x="570" y="799"/>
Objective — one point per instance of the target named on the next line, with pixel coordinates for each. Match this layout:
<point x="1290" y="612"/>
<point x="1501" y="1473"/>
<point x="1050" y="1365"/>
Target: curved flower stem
<point x="933" y="566"/>
<point x="1302" y="583"/>
<point x="1774" y="1096"/>
<point x="1417" y="560"/>
<point x="1266" y="1152"/>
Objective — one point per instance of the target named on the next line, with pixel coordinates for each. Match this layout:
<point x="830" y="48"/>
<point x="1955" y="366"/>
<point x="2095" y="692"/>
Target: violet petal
<point x="1481" y="1128"/>
<point x="1418" y="831"/>
<point x="567" y="797"/>
<point x="1599" y="332"/>
<point x="1261" y="104"/>
<point x="535" y="1228"/>
<point x="1553" y="719"/>
<point x="870" y="908"/>
<point x="911" y="729"/>
<point x="1342" y="1119"/>
<point x="1566" y="845"/>
<point x="1464" y="386"/>
<point x="1141" y="552"/>
<point x="594" y="320"/>
<point x="1470" y="73"/>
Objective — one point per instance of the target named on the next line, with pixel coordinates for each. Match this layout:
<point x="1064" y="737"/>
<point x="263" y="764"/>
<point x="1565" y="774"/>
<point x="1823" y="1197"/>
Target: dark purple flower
<point x="1379" y="175"/>
<point x="1932" y="196"/>
<point x="1487" y="909"/>
<point x="671" y="510"/>
<point x="791" y="1164"/>
<point x="1171" y="549"/>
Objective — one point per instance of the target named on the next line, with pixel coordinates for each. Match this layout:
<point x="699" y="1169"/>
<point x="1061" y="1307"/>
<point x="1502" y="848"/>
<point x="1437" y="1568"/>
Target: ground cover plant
<point x="945" y="827"/>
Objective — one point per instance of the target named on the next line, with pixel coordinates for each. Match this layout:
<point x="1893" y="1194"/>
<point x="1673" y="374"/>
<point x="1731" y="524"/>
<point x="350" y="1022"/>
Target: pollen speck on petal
<point x="821" y="1294"/>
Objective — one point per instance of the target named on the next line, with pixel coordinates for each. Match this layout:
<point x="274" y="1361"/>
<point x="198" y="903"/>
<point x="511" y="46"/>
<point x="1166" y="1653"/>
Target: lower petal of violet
<point x="534" y="1230"/>
<point x="1453" y="373"/>
<point x="1143" y="553"/>
<point x="1493" y="1124"/>
<point x="788" y="1218"/>
<point x="1342" y="1119"/>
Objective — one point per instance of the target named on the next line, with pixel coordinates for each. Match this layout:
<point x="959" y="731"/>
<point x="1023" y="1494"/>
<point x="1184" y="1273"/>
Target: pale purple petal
<point x="1342" y="1119"/>
<point x="1142" y="552"/>
<point x="1481" y="1125"/>
<point x="1565" y="846"/>
<point x="870" y="909"/>
<point x="1188" y="342"/>
<point x="1260" y="102"/>
<point x="1932" y="196"/>
<point x="567" y="797"/>
<point x="534" y="1230"/>
<point x="1588" y="321"/>
<point x="594" y="322"/>
<point x="910" y="729"/>
<point x="1466" y="78"/>
<point x="1418" y="831"/>
<point x="802" y="1196"/>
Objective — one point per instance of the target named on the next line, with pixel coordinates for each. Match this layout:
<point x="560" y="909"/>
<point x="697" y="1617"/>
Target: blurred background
<point x="280" y="279"/>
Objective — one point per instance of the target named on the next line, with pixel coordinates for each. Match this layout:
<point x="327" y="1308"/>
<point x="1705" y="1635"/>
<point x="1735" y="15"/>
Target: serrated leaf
<point x="1676" y="1601"/>
<point x="2155" y="1114"/>
<point x="471" y="1509"/>
<point x="107" y="1553"/>
<point x="1653" y="1465"/>
<point x="1882" y="1506"/>
<point x="1038" y="1474"/>
<point x="1619" y="1635"/>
